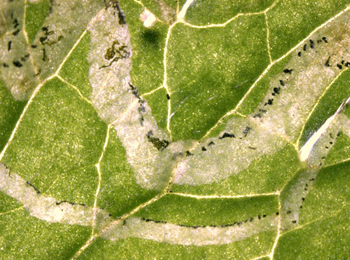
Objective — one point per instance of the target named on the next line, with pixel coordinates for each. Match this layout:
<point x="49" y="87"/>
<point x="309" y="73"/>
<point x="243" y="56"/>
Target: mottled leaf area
<point x="164" y="129"/>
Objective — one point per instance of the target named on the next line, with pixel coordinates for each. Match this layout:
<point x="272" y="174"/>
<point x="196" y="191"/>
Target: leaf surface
<point x="174" y="129"/>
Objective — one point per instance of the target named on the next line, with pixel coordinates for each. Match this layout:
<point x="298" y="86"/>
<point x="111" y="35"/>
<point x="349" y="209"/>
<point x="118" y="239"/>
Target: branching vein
<point x="230" y="20"/>
<point x="234" y="110"/>
<point x="98" y="167"/>
<point x="35" y="92"/>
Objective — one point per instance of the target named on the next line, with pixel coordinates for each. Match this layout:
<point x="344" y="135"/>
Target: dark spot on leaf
<point x="276" y="90"/>
<point x="167" y="96"/>
<point x="5" y="65"/>
<point x="15" y="33"/>
<point x="327" y="62"/>
<point x="112" y="51"/>
<point x="299" y="54"/>
<point x="287" y="71"/>
<point x="15" y="23"/>
<point x="294" y="221"/>
<point x="312" y="44"/>
<point x="115" y="53"/>
<point x="25" y="57"/>
<point x="246" y="131"/>
<point x="115" y="5"/>
<point x="121" y="16"/>
<point x="69" y="202"/>
<point x="203" y="148"/>
<point x="227" y="135"/>
<point x="9" y="44"/>
<point x="134" y="91"/>
<point x="17" y="63"/>
<point x="305" y="46"/>
<point x="211" y="143"/>
<point x="159" y="221"/>
<point x="43" y="39"/>
<point x="339" y="66"/>
<point x="39" y="71"/>
<point x="157" y="143"/>
<point x="188" y="153"/>
<point x="141" y="108"/>
<point x="324" y="39"/>
<point x="44" y="55"/>
<point x="31" y="185"/>
<point x="257" y="115"/>
<point x="281" y="82"/>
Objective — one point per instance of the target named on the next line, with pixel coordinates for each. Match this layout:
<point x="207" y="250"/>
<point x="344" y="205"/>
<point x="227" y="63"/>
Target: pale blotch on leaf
<point x="24" y="63"/>
<point x="57" y="36"/>
<point x="148" y="18"/>
<point x="17" y="71"/>
<point x="43" y="207"/>
<point x="231" y="152"/>
<point x="168" y="14"/>
<point x="118" y="102"/>
<point x="182" y="235"/>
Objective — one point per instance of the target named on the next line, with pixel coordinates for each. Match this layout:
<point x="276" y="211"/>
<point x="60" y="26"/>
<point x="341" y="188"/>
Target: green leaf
<point x="153" y="129"/>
